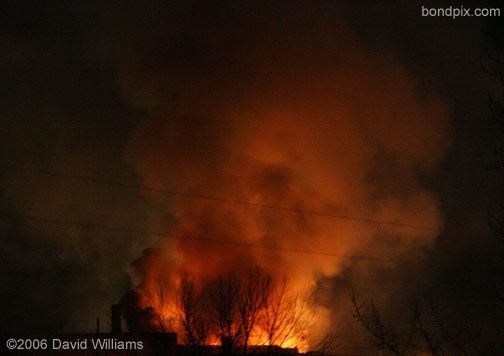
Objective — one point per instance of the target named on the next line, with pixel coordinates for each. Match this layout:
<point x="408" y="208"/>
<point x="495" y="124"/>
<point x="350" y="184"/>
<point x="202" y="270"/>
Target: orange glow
<point x="169" y="319"/>
<point x="341" y="141"/>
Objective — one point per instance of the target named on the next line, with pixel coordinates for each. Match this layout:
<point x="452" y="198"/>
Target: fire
<point x="250" y="162"/>
<point x="279" y="316"/>
<point x="212" y="238"/>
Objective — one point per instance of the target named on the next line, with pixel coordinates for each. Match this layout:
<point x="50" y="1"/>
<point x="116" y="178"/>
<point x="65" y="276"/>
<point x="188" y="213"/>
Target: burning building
<point x="286" y="158"/>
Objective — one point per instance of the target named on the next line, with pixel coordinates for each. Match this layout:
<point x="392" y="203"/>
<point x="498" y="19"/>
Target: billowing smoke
<point x="280" y="106"/>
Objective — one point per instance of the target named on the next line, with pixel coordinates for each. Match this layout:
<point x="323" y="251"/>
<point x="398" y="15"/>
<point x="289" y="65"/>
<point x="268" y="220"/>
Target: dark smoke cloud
<point x="61" y="112"/>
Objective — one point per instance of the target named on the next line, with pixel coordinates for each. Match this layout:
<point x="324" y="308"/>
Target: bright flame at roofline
<point x="305" y="130"/>
<point x="296" y="173"/>
<point x="250" y="310"/>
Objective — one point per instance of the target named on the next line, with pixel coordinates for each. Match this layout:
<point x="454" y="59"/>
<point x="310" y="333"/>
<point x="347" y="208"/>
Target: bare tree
<point x="289" y="314"/>
<point x="285" y="315"/>
<point x="225" y="310"/>
<point x="258" y="303"/>
<point x="238" y="306"/>
<point x="252" y="299"/>
<point x="427" y="332"/>
<point x="276" y="315"/>
<point x="191" y="314"/>
<point x="240" y="310"/>
<point x="326" y="343"/>
<point x="381" y="336"/>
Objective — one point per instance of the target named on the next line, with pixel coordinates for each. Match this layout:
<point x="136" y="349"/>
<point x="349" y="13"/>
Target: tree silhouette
<point x="286" y="315"/>
<point x="225" y="310"/>
<point x="191" y="314"/>
<point x="252" y="300"/>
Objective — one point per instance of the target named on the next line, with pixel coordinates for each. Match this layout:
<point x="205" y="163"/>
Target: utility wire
<point x="244" y="202"/>
<point x="220" y="241"/>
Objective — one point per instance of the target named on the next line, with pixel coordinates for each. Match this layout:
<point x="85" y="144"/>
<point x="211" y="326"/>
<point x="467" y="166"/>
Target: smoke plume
<point x="278" y="130"/>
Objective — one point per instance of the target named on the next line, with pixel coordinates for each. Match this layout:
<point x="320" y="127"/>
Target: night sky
<point x="363" y="111"/>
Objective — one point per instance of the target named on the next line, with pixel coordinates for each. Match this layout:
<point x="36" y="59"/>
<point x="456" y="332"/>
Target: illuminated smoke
<point x="280" y="108"/>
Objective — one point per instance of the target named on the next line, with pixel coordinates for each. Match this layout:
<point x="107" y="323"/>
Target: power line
<point x="220" y="241"/>
<point x="243" y="202"/>
<point x="481" y="163"/>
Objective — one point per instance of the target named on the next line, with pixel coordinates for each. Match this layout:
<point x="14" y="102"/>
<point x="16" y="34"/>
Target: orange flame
<point x="347" y="142"/>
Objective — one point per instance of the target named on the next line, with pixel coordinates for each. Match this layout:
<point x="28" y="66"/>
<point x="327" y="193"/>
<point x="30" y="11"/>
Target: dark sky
<point x="87" y="85"/>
